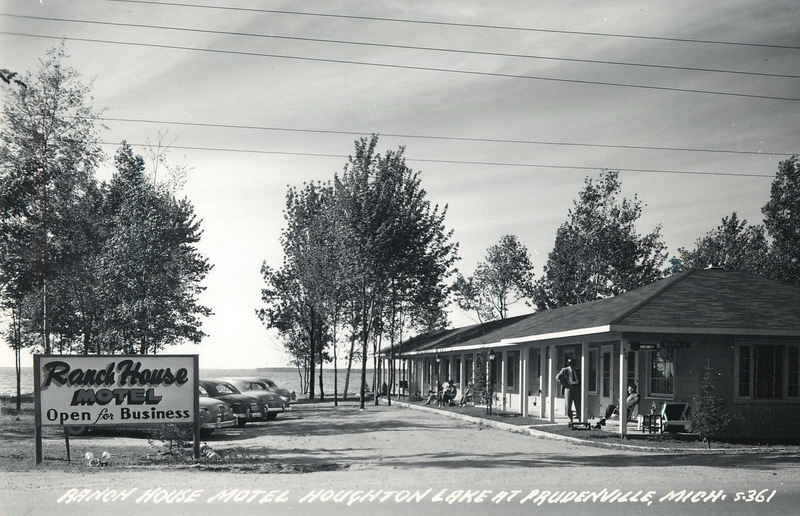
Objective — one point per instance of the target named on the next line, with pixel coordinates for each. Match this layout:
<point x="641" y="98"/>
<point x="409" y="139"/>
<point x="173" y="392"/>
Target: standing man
<point x="570" y="380"/>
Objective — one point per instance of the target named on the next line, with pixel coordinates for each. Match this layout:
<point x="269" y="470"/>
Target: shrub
<point x="172" y="437"/>
<point x="708" y="416"/>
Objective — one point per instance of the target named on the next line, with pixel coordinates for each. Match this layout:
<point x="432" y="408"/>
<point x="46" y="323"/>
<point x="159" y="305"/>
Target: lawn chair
<point x="447" y="397"/>
<point x="468" y="396"/>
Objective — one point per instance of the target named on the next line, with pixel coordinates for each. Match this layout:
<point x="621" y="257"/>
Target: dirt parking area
<point x="318" y="446"/>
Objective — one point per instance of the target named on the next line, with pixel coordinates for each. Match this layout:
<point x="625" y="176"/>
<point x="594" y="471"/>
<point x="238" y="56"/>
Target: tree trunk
<point x="349" y="364"/>
<point x="321" y="360"/>
<point x="300" y="374"/>
<point x="379" y="369"/>
<point x="364" y="345"/>
<point x="335" y="367"/>
<point x="312" y="335"/>
<point x="367" y="322"/>
<point x="16" y="322"/>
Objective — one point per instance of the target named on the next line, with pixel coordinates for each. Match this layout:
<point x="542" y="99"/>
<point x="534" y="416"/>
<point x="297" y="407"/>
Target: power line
<point x="452" y="161"/>
<point x="456" y="24"/>
<point x="398" y="46"/>
<point x="410" y="67"/>
<point x="439" y="137"/>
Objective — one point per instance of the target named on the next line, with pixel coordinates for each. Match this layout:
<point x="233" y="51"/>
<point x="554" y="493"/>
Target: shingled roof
<point x="703" y="301"/>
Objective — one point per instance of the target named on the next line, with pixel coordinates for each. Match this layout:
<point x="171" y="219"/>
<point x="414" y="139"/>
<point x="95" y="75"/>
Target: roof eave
<point x="707" y="330"/>
<point x="613" y="328"/>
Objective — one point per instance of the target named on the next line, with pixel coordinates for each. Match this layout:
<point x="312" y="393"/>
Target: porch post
<point x="472" y="373"/>
<point x="584" y="415"/>
<point x="503" y="372"/>
<point x="461" y="371"/>
<point x="523" y="380"/>
<point x="551" y="384"/>
<point x="623" y="388"/>
<point x="542" y="379"/>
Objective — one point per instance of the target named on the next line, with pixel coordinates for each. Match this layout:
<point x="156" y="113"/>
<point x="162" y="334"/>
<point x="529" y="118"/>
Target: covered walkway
<point x="657" y="338"/>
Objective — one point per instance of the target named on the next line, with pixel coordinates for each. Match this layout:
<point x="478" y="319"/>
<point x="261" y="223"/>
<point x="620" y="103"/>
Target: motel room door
<point x="534" y="380"/>
<point x="606" y="376"/>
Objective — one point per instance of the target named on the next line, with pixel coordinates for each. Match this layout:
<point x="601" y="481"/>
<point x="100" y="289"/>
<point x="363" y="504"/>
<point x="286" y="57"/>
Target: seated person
<point x="448" y="392"/>
<point x="469" y="392"/>
<point x="434" y="395"/>
<point x="633" y="400"/>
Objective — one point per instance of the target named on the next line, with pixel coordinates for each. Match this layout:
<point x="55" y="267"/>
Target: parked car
<point x="214" y="414"/>
<point x="245" y="407"/>
<point x="275" y="403"/>
<point x="273" y="387"/>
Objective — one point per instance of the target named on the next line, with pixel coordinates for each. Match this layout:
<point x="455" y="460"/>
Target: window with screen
<point x="768" y="371"/>
<point x="592" y="378"/>
<point x="512" y="369"/>
<point x="662" y="372"/>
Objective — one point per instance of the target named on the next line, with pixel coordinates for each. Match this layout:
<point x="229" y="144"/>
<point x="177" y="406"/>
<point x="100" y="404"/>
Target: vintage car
<point x="275" y="403"/>
<point x="214" y="414"/>
<point x="289" y="397"/>
<point x="245" y="407"/>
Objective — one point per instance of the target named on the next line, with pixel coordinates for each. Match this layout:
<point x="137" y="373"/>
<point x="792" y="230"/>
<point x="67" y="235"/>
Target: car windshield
<point x="226" y="388"/>
<point x="248" y="386"/>
<point x="258" y="386"/>
<point x="271" y="383"/>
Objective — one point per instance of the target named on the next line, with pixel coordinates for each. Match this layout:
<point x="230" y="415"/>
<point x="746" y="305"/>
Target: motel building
<point x="659" y="337"/>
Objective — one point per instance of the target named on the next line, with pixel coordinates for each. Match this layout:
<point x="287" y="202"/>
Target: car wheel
<point x="205" y="433"/>
<point x="272" y="416"/>
<point x="76" y="430"/>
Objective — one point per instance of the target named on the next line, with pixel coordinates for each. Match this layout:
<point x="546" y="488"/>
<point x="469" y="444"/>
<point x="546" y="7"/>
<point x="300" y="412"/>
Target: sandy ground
<point x="351" y="452"/>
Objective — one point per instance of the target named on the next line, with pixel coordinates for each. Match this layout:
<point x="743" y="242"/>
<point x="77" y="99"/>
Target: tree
<point x="733" y="245"/>
<point x="296" y="296"/>
<point x="48" y="153"/>
<point x="505" y="277"/>
<point x="598" y="251"/>
<point x="708" y="416"/>
<point x="782" y="220"/>
<point x="395" y="248"/>
<point x="152" y="270"/>
<point x="358" y="253"/>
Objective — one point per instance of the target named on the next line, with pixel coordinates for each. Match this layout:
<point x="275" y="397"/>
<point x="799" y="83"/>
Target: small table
<point x="653" y="423"/>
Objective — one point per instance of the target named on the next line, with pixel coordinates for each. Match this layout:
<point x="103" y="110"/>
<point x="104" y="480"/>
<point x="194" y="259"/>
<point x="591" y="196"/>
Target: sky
<point x="240" y="196"/>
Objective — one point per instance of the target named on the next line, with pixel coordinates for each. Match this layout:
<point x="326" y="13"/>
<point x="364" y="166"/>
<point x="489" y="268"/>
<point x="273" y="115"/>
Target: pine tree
<point x="598" y="251"/>
<point x="708" y="415"/>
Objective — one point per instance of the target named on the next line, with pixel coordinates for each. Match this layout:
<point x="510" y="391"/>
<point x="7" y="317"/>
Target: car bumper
<point x="218" y="424"/>
<point x="252" y="417"/>
<point x="274" y="409"/>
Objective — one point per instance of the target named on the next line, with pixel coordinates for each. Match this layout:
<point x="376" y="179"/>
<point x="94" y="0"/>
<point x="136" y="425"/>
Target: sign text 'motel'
<point x="663" y="344"/>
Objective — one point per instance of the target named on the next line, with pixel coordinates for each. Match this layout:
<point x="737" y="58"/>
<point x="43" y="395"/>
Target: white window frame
<point x="660" y="396"/>
<point x="592" y="389"/>
<point x="635" y="367"/>
<point x="512" y="377"/>
<point x="752" y="344"/>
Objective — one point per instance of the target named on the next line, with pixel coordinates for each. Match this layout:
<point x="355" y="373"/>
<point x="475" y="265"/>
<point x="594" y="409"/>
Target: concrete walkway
<point x="611" y="429"/>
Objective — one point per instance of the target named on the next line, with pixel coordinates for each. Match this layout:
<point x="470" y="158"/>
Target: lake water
<point x="285" y="377"/>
